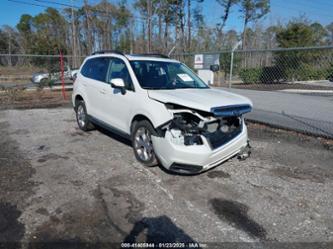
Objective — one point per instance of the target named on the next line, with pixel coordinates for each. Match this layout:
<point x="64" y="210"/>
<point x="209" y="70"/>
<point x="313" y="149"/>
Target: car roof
<point x="135" y="57"/>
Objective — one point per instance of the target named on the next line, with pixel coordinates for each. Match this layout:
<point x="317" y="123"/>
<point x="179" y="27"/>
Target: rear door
<point x="94" y="72"/>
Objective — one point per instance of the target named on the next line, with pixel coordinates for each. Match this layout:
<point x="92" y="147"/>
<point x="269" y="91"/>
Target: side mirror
<point x="214" y="68"/>
<point x="117" y="83"/>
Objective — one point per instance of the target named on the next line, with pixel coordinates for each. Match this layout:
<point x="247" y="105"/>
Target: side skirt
<point x="109" y="127"/>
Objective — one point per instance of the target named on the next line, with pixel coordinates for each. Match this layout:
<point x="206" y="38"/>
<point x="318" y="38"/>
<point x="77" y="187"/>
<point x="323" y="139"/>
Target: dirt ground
<point x="22" y="99"/>
<point x="60" y="184"/>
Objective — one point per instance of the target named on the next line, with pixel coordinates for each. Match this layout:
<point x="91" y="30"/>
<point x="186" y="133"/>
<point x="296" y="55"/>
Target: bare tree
<point x="189" y="37"/>
<point x="149" y="21"/>
<point x="226" y="6"/>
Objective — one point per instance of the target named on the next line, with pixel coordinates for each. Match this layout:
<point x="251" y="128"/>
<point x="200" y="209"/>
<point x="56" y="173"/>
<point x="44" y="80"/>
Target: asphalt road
<point x="307" y="113"/>
<point x="61" y="184"/>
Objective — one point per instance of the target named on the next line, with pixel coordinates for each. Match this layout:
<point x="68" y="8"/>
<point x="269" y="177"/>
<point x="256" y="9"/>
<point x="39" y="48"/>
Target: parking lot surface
<point x="61" y="184"/>
<point x="310" y="114"/>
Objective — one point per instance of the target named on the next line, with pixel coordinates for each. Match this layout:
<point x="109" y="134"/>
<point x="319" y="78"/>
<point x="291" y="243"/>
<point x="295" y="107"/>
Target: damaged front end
<point x="193" y="140"/>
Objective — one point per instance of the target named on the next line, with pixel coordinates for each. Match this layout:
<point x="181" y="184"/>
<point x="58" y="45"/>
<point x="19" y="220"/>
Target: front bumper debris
<point x="203" y="156"/>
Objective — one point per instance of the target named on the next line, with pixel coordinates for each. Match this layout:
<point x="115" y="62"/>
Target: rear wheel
<point x="142" y="144"/>
<point x="82" y="117"/>
<point x="43" y="82"/>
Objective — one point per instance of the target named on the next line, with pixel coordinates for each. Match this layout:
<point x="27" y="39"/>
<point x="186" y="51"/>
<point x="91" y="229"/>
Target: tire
<point x="44" y="81"/>
<point x="142" y="144"/>
<point x="82" y="116"/>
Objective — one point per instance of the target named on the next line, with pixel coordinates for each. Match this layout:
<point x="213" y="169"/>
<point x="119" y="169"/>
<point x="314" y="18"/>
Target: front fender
<point x="157" y="113"/>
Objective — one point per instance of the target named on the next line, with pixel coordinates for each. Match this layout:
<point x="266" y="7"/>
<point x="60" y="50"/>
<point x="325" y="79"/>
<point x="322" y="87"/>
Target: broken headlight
<point x="188" y="127"/>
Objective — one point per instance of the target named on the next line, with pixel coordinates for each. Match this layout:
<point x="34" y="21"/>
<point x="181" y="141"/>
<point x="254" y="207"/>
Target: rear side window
<point x="96" y="68"/>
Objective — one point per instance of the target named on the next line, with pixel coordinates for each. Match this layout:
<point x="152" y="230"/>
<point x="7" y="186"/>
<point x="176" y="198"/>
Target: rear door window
<point x="96" y="68"/>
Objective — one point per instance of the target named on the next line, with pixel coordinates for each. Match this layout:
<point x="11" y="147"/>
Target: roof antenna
<point x="171" y="51"/>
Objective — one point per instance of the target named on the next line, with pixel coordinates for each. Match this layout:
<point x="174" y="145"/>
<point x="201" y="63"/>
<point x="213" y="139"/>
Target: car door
<point x="96" y="86"/>
<point x="119" y="103"/>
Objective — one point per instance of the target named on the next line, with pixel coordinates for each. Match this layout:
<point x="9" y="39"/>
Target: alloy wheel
<point x="143" y="145"/>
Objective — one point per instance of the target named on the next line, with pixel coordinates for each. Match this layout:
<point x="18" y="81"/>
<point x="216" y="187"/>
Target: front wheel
<point x="142" y="144"/>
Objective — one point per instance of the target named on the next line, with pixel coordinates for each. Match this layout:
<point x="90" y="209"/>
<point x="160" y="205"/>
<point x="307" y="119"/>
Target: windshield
<point x="165" y="75"/>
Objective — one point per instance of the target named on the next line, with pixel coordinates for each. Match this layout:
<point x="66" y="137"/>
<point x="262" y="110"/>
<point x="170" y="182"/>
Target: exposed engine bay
<point x="189" y="127"/>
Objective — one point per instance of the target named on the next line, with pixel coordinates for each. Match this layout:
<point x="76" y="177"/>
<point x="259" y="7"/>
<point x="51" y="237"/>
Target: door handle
<point x="102" y="91"/>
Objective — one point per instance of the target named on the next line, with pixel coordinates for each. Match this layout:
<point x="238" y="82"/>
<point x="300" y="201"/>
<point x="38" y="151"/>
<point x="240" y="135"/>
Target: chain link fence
<point x="271" y="69"/>
<point x="266" y="69"/>
<point x="270" y="78"/>
<point x="283" y="65"/>
<point x="241" y="72"/>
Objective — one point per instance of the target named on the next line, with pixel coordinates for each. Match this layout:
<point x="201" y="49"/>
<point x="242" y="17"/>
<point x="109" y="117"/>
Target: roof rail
<point x="153" y="55"/>
<point x="107" y="51"/>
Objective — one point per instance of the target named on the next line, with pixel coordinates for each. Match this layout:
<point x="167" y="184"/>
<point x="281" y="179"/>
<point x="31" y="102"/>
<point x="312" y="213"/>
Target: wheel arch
<point x="138" y="118"/>
<point x="78" y="97"/>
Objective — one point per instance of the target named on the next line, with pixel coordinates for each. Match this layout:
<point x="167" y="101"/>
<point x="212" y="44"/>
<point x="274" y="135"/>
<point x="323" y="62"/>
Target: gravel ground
<point x="61" y="184"/>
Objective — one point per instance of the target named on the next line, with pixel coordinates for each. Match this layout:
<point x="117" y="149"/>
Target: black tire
<point x="44" y="81"/>
<point x="82" y="116"/>
<point x="138" y="128"/>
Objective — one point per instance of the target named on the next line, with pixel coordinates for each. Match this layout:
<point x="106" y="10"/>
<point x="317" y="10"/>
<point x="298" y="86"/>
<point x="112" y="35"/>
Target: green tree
<point x="252" y="10"/>
<point x="320" y="34"/>
<point x="25" y="30"/>
<point x="295" y="34"/>
<point x="329" y="29"/>
<point x="299" y="64"/>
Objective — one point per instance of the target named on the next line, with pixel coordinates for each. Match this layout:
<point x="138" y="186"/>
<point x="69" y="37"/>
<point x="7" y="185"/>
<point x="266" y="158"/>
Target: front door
<point x="119" y="102"/>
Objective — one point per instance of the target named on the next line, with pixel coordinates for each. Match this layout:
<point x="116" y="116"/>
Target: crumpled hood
<point x="199" y="99"/>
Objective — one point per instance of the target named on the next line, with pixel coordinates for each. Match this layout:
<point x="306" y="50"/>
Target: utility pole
<point x="9" y="49"/>
<point x="73" y="37"/>
<point x="232" y="60"/>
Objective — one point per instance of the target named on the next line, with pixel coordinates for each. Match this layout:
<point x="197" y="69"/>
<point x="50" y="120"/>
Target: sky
<point x="281" y="11"/>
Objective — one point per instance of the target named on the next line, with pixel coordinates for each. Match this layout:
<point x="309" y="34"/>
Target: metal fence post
<point x="232" y="60"/>
<point x="231" y="66"/>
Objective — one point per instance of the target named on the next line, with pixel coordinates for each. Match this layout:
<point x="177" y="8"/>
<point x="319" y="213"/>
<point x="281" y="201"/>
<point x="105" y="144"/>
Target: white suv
<point x="170" y="114"/>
